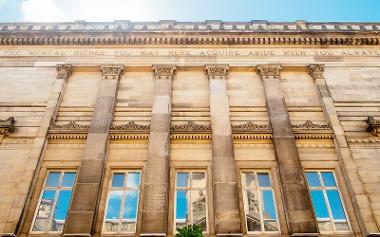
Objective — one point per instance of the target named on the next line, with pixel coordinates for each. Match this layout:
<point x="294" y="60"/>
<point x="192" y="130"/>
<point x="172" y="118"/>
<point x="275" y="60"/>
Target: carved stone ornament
<point x="217" y="71"/>
<point x="269" y="71"/>
<point x="310" y="125"/>
<point x="189" y="127"/>
<point x="131" y="126"/>
<point x="316" y="71"/>
<point x="250" y="126"/>
<point x="112" y="72"/>
<point x="72" y="125"/>
<point x="164" y="71"/>
<point x="374" y="126"/>
<point x="64" y="71"/>
<point x="7" y="126"/>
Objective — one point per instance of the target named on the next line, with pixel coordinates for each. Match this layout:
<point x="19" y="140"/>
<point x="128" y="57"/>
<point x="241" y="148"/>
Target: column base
<point x="153" y="234"/>
<point x="229" y="235"/>
<point x="77" y="235"/>
<point x="304" y="234"/>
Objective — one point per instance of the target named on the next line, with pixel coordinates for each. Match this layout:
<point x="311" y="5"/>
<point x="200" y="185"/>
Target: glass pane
<point x="342" y="226"/>
<point x="328" y="179"/>
<point x="319" y="204"/>
<point x="270" y="225"/>
<point x="41" y="224"/>
<point x="44" y="211"/>
<point x="198" y="199"/>
<point x="111" y="225"/>
<point x="325" y="226"/>
<point x="68" y="179"/>
<point x="263" y="180"/>
<point x="128" y="226"/>
<point x="131" y="205"/>
<point x="248" y="180"/>
<point x="251" y="206"/>
<point x="313" y="179"/>
<point x="53" y="179"/>
<point x="63" y="202"/>
<point x="182" y="179"/>
<point x="114" y="204"/>
<point x="198" y="180"/>
<point x="269" y="211"/>
<point x="182" y="207"/>
<point x="118" y="180"/>
<point x="335" y="205"/>
<point x="133" y="179"/>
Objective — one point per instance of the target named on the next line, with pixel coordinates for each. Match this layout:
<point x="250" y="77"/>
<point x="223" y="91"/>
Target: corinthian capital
<point x="63" y="71"/>
<point x="217" y="71"/>
<point x="269" y="71"/>
<point x="7" y="126"/>
<point x="112" y="72"/>
<point x="316" y="71"/>
<point x="164" y="71"/>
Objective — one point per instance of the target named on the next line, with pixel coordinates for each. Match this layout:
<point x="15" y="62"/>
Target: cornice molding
<point x="64" y="71"/>
<point x="316" y="71"/>
<point x="217" y="71"/>
<point x="373" y="126"/>
<point x="269" y="71"/>
<point x="164" y="71"/>
<point x="112" y="72"/>
<point x="7" y="126"/>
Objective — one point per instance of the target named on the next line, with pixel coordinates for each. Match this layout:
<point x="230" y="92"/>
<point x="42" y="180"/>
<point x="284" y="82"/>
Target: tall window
<point x="122" y="203"/>
<point x="327" y="203"/>
<point x="259" y="203"/>
<point x="54" y="202"/>
<point x="191" y="199"/>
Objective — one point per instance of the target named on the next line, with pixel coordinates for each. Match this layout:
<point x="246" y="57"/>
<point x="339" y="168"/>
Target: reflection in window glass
<point x="122" y="202"/>
<point x="54" y="202"/>
<point x="326" y="201"/>
<point x="259" y="204"/>
<point x="191" y="199"/>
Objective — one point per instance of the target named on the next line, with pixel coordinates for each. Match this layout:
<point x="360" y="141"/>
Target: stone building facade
<point x="137" y="128"/>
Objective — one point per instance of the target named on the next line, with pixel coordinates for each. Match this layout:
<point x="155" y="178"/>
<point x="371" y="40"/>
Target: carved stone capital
<point x="64" y="71"/>
<point x="7" y="126"/>
<point x="112" y="72"/>
<point x="269" y="71"/>
<point x="316" y="71"/>
<point x="217" y="71"/>
<point x="164" y="71"/>
<point x="374" y="126"/>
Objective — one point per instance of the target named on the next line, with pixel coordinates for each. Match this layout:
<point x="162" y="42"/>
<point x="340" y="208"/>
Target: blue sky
<point x="189" y="10"/>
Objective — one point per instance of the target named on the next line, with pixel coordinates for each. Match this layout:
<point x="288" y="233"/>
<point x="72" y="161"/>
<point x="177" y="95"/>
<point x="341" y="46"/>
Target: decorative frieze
<point x="64" y="71"/>
<point x="164" y="71"/>
<point x="72" y="125"/>
<point x="269" y="71"/>
<point x="374" y="126"/>
<point x="308" y="124"/>
<point x="7" y="126"/>
<point x="251" y="127"/>
<point x="190" y="127"/>
<point x="131" y="126"/>
<point x="217" y="71"/>
<point x="316" y="71"/>
<point x="111" y="72"/>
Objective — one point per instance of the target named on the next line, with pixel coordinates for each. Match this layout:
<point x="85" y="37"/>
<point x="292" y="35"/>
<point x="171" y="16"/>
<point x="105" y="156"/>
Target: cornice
<point x="190" y="33"/>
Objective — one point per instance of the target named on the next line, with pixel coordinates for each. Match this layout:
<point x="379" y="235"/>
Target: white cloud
<point x="40" y="10"/>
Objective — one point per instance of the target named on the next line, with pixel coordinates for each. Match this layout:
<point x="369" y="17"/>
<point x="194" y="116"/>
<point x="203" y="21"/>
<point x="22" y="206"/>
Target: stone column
<point x="224" y="171"/>
<point x="348" y="165"/>
<point x="32" y="168"/>
<point x="298" y="208"/>
<point x="83" y="207"/>
<point x="156" y="175"/>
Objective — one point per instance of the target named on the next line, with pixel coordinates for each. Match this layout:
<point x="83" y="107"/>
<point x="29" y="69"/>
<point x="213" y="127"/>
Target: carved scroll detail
<point x="269" y="71"/>
<point x="72" y="125"/>
<point x="7" y="126"/>
<point x="316" y="71"/>
<point x="250" y="126"/>
<point x="131" y="126"/>
<point x="190" y="126"/>
<point x="310" y="125"/>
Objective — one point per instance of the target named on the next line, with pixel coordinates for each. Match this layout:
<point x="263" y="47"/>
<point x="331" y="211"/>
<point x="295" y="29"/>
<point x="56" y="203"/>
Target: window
<point x="54" y="202"/>
<point x="327" y="204"/>
<point x="259" y="203"/>
<point x="123" y="202"/>
<point x="191" y="199"/>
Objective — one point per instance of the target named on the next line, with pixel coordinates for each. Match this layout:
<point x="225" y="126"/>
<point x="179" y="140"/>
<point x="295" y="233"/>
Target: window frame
<point x="189" y="188"/>
<point x="323" y="188"/>
<point x="124" y="189"/>
<point x="58" y="189"/>
<point x="257" y="190"/>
